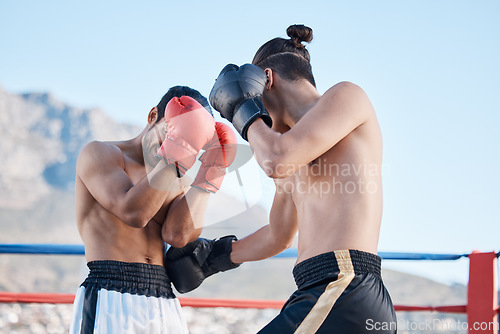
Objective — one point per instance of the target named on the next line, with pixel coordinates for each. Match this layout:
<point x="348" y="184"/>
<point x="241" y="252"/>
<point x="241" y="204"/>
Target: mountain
<point x="41" y="139"/>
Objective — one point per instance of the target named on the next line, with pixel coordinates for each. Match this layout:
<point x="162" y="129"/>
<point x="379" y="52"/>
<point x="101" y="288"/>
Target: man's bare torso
<point x="338" y="196"/>
<point x="105" y="236"/>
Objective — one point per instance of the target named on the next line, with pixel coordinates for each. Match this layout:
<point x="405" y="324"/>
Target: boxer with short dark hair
<point x="324" y="152"/>
<point x="131" y="199"/>
<point x="178" y="91"/>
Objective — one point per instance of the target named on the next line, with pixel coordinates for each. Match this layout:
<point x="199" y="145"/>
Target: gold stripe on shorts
<point x="312" y="322"/>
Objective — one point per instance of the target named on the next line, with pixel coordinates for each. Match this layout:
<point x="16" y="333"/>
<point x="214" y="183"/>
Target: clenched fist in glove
<point x="189" y="128"/>
<point x="237" y="95"/>
<point x="187" y="267"/>
<point x="219" y="154"/>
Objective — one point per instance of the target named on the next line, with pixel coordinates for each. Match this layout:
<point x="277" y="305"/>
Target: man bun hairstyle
<point x="299" y="33"/>
<point x="178" y="91"/>
<point x="288" y="57"/>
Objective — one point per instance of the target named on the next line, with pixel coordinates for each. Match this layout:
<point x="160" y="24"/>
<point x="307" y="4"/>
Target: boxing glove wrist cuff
<point x="178" y="169"/>
<point x="220" y="256"/>
<point x="247" y="112"/>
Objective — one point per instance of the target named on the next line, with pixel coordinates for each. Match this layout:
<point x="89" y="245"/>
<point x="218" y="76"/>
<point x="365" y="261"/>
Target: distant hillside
<point x="41" y="139"/>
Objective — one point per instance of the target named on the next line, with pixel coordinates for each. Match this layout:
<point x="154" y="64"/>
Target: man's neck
<point x="133" y="148"/>
<point x="296" y="98"/>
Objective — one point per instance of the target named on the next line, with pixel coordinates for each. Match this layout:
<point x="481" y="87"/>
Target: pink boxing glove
<point x="220" y="153"/>
<point x="189" y="128"/>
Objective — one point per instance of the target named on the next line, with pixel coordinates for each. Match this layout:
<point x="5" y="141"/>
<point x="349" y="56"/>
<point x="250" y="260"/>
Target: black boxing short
<point x="338" y="292"/>
<point x="121" y="297"/>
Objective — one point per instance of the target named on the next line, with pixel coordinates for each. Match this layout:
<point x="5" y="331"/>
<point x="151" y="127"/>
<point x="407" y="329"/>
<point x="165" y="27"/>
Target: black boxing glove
<point x="187" y="267"/>
<point x="237" y="95"/>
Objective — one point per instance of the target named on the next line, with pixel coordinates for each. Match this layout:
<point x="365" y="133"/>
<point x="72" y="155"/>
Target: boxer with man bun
<point x="324" y="152"/>
<point x="131" y="198"/>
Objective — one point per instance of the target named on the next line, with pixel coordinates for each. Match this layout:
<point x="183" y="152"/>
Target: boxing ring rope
<point x="482" y="306"/>
<point x="56" y="249"/>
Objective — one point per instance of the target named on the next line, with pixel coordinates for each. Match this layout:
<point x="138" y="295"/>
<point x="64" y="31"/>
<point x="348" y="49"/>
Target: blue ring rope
<point x="52" y="249"/>
<point x="55" y="249"/>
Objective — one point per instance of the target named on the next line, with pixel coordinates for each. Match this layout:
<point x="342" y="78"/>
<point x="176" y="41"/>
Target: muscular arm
<point x="338" y="112"/>
<point x="273" y="238"/>
<point x="188" y="208"/>
<point x="101" y="168"/>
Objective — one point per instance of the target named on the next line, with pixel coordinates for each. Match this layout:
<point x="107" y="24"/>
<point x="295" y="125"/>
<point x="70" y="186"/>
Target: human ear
<point x="269" y="75"/>
<point x="153" y="116"/>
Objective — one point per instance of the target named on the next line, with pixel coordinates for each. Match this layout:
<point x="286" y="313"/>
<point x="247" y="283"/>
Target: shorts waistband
<point x="333" y="263"/>
<point x="136" y="278"/>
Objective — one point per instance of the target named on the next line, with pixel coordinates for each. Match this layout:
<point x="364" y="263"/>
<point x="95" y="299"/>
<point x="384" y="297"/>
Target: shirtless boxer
<point x="130" y="199"/>
<point x="324" y="153"/>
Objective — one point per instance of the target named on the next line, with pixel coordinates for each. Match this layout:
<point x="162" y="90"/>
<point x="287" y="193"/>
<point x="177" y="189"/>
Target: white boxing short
<point x="121" y="297"/>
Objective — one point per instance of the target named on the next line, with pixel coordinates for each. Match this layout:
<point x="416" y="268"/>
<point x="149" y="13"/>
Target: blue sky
<point x="430" y="68"/>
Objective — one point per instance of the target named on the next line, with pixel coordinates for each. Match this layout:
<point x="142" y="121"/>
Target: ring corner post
<point x="482" y="303"/>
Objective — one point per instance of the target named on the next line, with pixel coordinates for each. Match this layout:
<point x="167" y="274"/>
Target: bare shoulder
<point x="346" y="90"/>
<point x="98" y="154"/>
<point x="348" y="95"/>
<point x="101" y="150"/>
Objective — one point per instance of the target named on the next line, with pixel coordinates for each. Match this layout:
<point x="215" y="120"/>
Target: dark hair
<point x="178" y="91"/>
<point x="288" y="57"/>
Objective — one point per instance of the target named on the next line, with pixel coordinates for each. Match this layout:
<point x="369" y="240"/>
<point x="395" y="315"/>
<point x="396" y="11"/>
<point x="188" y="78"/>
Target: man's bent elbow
<point x="276" y="162"/>
<point x="277" y="168"/>
<point x="179" y="239"/>
<point x="269" y="167"/>
<point x="282" y="244"/>
<point x="272" y="163"/>
<point x="287" y="245"/>
<point x="177" y="242"/>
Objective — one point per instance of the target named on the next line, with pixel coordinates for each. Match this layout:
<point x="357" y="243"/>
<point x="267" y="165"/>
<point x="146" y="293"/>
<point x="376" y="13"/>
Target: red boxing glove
<point x="220" y="153"/>
<point x="189" y="128"/>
